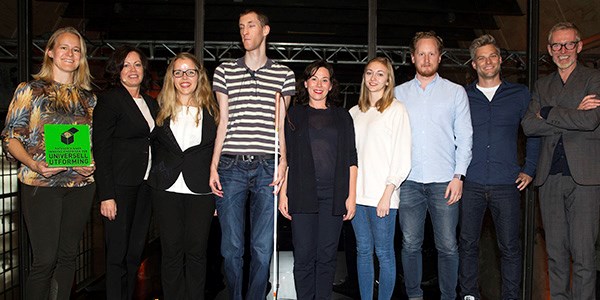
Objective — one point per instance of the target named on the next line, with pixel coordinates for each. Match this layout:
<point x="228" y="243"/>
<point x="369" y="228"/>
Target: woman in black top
<point x="320" y="189"/>
<point x="123" y="120"/>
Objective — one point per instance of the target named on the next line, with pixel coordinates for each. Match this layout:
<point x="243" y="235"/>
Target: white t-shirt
<point x="488" y="92"/>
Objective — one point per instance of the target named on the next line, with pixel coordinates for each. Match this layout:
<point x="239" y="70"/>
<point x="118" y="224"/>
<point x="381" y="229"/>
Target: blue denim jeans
<point x="505" y="206"/>
<point x="239" y="179"/>
<point x="374" y="232"/>
<point x="415" y="200"/>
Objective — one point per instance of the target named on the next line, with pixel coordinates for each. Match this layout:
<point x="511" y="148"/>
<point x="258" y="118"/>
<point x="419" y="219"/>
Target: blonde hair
<point x="426" y="35"/>
<point x="388" y="90"/>
<point x="201" y="98"/>
<point x="82" y="77"/>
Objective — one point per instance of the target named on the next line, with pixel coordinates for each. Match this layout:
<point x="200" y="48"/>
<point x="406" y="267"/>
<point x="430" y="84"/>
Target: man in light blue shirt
<point x="441" y="152"/>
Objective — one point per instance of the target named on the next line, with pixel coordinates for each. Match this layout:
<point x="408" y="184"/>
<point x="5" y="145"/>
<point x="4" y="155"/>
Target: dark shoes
<point x="348" y="288"/>
<point x="213" y="289"/>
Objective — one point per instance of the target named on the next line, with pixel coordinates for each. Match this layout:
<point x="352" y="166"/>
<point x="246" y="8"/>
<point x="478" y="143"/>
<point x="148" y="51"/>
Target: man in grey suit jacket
<point x="564" y="113"/>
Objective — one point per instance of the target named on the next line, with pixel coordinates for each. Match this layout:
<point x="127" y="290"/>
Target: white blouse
<point x="187" y="135"/>
<point x="141" y="104"/>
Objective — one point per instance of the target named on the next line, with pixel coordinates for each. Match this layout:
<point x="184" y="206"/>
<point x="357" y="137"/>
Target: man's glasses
<point x="568" y="46"/>
<point x="188" y="73"/>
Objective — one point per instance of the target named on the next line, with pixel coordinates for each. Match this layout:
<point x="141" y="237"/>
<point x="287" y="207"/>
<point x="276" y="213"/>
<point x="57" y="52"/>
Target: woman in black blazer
<point x="320" y="190"/>
<point x="123" y="120"/>
<point x="182" y="149"/>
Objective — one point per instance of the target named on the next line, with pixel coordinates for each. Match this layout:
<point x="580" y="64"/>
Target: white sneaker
<point x="469" y="297"/>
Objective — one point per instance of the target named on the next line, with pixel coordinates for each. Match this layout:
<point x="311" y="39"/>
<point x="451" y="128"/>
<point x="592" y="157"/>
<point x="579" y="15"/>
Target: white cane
<point x="276" y="198"/>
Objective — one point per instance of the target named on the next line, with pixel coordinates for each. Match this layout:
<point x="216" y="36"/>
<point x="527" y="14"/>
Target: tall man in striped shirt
<point x="243" y="162"/>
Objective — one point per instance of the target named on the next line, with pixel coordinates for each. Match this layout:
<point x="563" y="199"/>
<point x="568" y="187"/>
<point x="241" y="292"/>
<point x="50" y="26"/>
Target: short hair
<point x="426" y="35"/>
<point x="310" y="70"/>
<point x="115" y="63"/>
<point x="481" y="41"/>
<point x="262" y="18"/>
<point x="564" y="26"/>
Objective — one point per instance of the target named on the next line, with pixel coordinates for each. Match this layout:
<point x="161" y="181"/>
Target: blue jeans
<point x="504" y="202"/>
<point x="238" y="179"/>
<point x="374" y="232"/>
<point x="415" y="200"/>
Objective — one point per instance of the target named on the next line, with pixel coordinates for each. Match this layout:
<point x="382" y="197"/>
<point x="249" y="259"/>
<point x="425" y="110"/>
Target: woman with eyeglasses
<point x="56" y="201"/>
<point x="123" y="120"/>
<point x="182" y="148"/>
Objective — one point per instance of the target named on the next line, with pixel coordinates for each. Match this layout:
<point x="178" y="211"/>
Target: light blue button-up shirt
<point x="442" y="134"/>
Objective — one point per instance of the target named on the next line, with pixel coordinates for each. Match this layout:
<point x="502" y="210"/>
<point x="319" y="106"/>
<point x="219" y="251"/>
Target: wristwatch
<point x="459" y="177"/>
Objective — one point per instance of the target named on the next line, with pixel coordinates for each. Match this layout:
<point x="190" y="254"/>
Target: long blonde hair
<point x="202" y="97"/>
<point x="82" y="77"/>
<point x="388" y="90"/>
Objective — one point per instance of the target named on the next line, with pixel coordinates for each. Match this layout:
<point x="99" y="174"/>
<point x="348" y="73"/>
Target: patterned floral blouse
<point x="36" y="103"/>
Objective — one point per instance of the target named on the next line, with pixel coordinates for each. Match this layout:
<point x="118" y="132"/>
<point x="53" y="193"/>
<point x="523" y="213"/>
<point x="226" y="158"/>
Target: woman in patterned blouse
<point x="56" y="201"/>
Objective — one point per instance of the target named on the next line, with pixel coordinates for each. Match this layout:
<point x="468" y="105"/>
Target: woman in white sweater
<point x="383" y="143"/>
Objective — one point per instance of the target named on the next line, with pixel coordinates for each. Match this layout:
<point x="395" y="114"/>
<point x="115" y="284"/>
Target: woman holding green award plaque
<point x="56" y="199"/>
<point x="123" y="120"/>
<point x="182" y="148"/>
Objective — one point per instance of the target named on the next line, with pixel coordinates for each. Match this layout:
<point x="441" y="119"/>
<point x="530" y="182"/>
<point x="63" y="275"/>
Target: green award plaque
<point x="67" y="145"/>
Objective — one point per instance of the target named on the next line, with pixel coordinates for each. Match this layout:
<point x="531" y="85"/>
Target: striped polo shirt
<point x="251" y="126"/>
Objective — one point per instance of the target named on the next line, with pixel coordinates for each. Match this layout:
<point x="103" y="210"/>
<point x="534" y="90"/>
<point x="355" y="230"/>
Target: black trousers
<point x="184" y="221"/>
<point x="125" y="238"/>
<point x="315" y="237"/>
<point x="349" y="242"/>
<point x="55" y="218"/>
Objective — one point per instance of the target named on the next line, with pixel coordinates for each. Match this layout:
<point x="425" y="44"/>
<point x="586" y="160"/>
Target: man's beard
<point x="426" y="72"/>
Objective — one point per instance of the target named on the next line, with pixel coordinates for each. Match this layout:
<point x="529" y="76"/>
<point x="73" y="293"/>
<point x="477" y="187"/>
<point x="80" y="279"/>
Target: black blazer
<point x="302" y="185"/>
<point x="168" y="160"/>
<point x="121" y="138"/>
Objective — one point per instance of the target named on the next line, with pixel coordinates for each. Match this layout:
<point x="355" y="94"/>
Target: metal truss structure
<point x="283" y="52"/>
<point x="291" y="53"/>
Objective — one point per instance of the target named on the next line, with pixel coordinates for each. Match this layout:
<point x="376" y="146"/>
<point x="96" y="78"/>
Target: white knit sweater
<point x="383" y="143"/>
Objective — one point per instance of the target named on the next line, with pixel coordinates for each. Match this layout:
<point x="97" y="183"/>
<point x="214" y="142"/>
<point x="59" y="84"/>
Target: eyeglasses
<point x="568" y="46"/>
<point x="188" y="73"/>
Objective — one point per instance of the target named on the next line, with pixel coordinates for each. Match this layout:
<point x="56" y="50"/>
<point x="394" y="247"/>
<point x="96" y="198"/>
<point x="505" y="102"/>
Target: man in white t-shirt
<point x="494" y="178"/>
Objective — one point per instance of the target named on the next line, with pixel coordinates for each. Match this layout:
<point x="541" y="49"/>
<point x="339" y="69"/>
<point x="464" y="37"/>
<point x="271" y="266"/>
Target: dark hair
<point x="115" y="65"/>
<point x="332" y="96"/>
<point x="426" y="35"/>
<point x="262" y="18"/>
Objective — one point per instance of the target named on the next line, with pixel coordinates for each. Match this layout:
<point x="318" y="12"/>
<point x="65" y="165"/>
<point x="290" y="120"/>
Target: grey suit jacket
<point x="579" y="129"/>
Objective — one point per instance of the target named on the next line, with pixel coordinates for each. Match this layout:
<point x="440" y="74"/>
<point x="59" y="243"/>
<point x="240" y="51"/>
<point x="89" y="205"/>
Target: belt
<point x="250" y="157"/>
